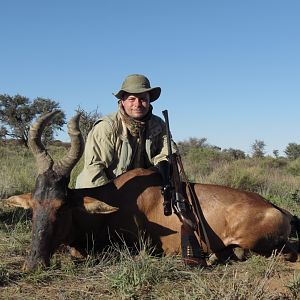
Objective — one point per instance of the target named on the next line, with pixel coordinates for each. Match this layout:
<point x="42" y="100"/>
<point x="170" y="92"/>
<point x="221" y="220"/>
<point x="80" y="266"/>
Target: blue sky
<point x="229" y="70"/>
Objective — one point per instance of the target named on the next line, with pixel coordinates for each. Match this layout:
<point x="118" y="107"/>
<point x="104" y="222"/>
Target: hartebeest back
<point x="133" y="203"/>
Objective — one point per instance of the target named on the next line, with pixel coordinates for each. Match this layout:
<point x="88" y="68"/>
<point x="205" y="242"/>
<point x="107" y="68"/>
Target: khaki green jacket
<point x="108" y="152"/>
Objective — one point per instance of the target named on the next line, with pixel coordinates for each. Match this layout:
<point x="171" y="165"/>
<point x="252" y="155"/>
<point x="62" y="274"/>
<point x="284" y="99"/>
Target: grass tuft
<point x="294" y="286"/>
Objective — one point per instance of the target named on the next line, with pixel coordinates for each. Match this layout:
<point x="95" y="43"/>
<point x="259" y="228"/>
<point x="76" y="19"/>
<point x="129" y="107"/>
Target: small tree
<point x="292" y="151"/>
<point x="87" y="120"/>
<point x="276" y="153"/>
<point x="43" y="105"/>
<point x="18" y="112"/>
<point x="192" y="143"/>
<point x="258" y="149"/>
<point x="3" y="133"/>
<point x="235" y="153"/>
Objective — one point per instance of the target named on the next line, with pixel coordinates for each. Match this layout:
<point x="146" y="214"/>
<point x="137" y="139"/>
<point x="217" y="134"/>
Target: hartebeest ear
<point x="24" y="201"/>
<point x="95" y="206"/>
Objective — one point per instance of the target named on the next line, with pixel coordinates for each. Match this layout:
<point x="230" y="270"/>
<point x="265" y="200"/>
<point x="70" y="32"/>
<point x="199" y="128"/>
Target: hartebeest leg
<point x="289" y="252"/>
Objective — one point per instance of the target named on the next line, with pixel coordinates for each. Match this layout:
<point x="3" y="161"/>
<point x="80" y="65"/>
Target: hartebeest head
<point x="51" y="215"/>
<point x="51" y="200"/>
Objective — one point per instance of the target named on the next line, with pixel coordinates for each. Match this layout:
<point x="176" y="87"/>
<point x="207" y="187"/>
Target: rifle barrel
<point x="165" y="114"/>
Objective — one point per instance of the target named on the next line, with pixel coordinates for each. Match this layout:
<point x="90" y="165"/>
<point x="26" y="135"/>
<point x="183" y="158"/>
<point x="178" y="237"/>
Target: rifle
<point x="178" y="203"/>
<point x="192" y="251"/>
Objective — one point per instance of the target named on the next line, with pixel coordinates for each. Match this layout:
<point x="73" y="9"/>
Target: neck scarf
<point x="137" y="129"/>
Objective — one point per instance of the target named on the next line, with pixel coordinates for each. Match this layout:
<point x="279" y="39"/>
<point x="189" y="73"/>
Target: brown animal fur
<point x="232" y="218"/>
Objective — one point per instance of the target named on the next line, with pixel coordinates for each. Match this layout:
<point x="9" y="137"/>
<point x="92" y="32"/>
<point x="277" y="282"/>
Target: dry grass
<point x="117" y="274"/>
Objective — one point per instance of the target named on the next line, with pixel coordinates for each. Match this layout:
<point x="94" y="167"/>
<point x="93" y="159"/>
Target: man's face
<point x="136" y="105"/>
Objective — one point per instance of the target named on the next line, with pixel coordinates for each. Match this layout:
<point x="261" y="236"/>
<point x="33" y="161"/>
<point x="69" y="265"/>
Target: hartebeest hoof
<point x="76" y="254"/>
<point x="30" y="267"/>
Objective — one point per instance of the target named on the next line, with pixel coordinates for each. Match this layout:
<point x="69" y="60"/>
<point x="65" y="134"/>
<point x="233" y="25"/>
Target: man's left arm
<point x="162" y="151"/>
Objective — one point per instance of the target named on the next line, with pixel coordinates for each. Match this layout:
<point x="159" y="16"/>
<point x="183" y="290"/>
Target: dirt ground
<point x="278" y="283"/>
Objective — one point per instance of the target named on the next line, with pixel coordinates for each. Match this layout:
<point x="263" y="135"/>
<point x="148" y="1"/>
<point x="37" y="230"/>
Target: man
<point x="130" y="138"/>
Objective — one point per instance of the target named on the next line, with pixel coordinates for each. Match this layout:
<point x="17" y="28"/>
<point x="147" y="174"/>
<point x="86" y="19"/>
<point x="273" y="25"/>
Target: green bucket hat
<point x="136" y="84"/>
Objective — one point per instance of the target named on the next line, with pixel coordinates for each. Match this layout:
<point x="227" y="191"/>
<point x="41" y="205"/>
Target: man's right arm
<point x="98" y="155"/>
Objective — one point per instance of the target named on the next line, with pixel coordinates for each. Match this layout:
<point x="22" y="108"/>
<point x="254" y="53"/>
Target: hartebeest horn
<point x="43" y="159"/>
<point x="65" y="166"/>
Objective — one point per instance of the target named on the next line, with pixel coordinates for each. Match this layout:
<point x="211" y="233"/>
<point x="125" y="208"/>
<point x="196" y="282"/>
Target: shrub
<point x="238" y="175"/>
<point x="256" y="175"/>
<point x="17" y="173"/>
<point x="293" y="167"/>
<point x="201" y="162"/>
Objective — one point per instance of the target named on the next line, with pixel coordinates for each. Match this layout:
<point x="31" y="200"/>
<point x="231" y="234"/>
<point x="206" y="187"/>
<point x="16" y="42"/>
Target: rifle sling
<point x="196" y="208"/>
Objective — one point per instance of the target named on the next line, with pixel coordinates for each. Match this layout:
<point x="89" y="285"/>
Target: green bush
<point x="264" y="176"/>
<point x="18" y="168"/>
<point x="238" y="174"/>
<point x="271" y="162"/>
<point x="17" y="172"/>
<point x="201" y="162"/>
<point x="293" y="167"/>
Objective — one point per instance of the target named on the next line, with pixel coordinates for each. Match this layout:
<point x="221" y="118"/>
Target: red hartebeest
<point x="132" y="203"/>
